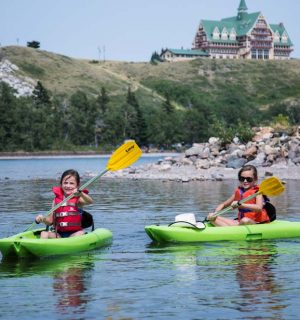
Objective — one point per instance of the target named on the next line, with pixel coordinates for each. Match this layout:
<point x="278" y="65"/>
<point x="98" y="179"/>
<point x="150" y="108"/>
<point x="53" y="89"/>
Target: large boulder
<point x="250" y="152"/>
<point x="263" y="134"/>
<point x="236" y="163"/>
<point x="202" y="164"/>
<point x="195" y="150"/>
<point x="259" y="160"/>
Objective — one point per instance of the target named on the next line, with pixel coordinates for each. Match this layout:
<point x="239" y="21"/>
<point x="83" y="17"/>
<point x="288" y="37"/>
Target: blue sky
<point x="126" y="30"/>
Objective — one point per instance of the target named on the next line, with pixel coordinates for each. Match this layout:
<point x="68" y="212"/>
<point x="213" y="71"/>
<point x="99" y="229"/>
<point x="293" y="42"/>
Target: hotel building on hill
<point x="244" y="36"/>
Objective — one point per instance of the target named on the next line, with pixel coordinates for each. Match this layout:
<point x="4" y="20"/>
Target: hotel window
<point x="266" y="54"/>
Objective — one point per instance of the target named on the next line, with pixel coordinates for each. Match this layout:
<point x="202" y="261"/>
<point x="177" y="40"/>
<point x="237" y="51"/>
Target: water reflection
<point x="252" y="264"/>
<point x="70" y="278"/>
<point x="70" y="288"/>
<point x="256" y="279"/>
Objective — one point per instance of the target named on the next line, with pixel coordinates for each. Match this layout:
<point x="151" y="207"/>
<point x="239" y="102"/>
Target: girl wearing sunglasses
<point x="250" y="212"/>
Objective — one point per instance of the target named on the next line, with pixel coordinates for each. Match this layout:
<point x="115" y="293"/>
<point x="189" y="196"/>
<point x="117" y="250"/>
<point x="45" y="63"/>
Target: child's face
<point x="69" y="185"/>
<point x="247" y="179"/>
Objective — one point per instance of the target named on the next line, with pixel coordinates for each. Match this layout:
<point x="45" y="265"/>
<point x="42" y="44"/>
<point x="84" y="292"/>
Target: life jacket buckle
<point x="66" y="214"/>
<point x="61" y="214"/>
<point x="63" y="224"/>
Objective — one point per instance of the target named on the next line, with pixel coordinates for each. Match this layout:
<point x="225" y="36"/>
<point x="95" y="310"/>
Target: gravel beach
<point x="186" y="173"/>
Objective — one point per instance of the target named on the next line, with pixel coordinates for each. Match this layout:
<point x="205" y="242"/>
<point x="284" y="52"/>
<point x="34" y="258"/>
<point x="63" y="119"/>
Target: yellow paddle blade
<point x="271" y="187"/>
<point x="124" y="156"/>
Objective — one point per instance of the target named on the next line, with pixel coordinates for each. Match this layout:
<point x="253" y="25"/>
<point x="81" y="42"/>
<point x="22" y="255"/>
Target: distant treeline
<point x="47" y="122"/>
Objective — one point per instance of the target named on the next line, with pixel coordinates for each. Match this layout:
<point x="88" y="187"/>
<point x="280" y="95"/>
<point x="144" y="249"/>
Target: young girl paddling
<point x="250" y="212"/>
<point x="67" y="218"/>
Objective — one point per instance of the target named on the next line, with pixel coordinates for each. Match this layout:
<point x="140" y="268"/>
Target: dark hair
<point x="72" y="173"/>
<point x="248" y="167"/>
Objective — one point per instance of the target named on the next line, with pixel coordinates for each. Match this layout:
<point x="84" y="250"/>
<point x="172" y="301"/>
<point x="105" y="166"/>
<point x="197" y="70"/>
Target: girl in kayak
<point x="250" y="212"/>
<point x="67" y="218"/>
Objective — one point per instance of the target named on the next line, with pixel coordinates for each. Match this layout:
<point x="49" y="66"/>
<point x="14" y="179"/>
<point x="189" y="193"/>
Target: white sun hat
<point x="187" y="220"/>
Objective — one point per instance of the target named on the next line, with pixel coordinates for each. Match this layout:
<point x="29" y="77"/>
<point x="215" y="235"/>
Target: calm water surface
<point x="134" y="279"/>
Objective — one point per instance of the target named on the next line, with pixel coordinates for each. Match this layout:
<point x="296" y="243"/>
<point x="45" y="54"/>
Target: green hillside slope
<point x="264" y="82"/>
<point x="166" y="103"/>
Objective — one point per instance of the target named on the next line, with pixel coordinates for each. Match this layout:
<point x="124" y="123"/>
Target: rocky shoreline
<point x="273" y="152"/>
<point x="190" y="173"/>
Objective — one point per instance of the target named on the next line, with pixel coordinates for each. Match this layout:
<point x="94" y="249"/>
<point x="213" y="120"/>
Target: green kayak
<point x="277" y="229"/>
<point x="28" y="244"/>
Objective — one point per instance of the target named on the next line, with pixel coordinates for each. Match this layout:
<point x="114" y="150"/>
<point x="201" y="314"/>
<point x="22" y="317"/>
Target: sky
<point x="126" y="30"/>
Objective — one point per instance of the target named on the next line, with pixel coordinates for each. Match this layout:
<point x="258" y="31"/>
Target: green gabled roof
<point x="188" y="52"/>
<point x="210" y="25"/>
<point x="280" y="29"/>
<point x="241" y="27"/>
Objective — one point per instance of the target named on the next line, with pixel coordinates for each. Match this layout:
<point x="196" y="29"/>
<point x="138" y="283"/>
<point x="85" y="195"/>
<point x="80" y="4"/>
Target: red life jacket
<point x="260" y="216"/>
<point x="67" y="218"/>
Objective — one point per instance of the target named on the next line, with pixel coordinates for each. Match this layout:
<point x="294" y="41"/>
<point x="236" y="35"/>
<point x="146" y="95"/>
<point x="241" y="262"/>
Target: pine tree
<point x="102" y="100"/>
<point x="33" y="44"/>
<point x="7" y="116"/>
<point x="102" y="106"/>
<point x="141" y="134"/>
<point x="41" y="94"/>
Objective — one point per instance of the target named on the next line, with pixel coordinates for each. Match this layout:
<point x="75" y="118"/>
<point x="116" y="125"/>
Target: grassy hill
<point x="261" y="82"/>
<point x="167" y="103"/>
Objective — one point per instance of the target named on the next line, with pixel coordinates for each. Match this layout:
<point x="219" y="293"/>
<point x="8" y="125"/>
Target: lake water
<point x="132" y="278"/>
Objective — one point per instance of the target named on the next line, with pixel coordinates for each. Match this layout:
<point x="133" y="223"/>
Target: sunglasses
<point x="248" y="179"/>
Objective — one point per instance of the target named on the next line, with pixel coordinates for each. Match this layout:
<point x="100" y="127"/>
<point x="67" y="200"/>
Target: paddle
<point x="122" y="158"/>
<point x="269" y="187"/>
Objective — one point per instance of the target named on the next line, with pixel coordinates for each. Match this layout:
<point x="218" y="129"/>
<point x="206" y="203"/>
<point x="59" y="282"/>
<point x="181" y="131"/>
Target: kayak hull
<point x="277" y="229"/>
<point x="28" y="244"/>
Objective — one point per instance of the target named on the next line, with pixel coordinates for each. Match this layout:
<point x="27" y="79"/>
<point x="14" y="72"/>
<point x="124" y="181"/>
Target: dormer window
<point x="216" y="33"/>
<point x="284" y="37"/>
<point x="276" y="36"/>
<point x="232" y="35"/>
<point x="224" y="35"/>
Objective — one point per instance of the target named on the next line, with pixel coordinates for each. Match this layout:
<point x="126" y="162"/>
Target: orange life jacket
<point x="259" y="217"/>
<point x="67" y="218"/>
